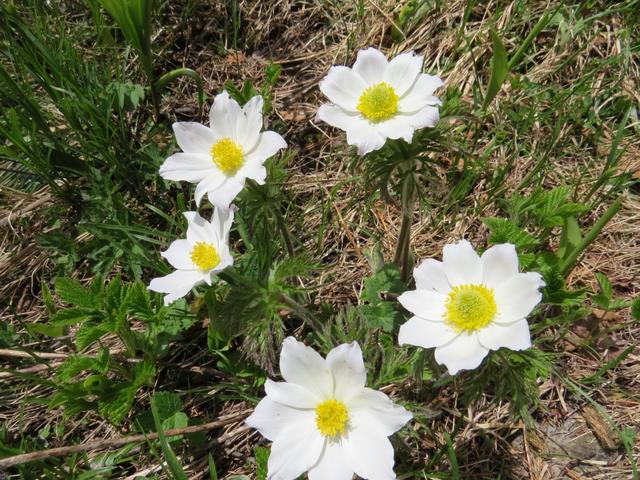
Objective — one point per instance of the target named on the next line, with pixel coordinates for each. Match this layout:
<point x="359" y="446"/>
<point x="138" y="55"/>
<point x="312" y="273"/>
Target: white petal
<point x="187" y="167"/>
<point x="198" y="229"/>
<point x="177" y="284"/>
<point x="427" y="117"/>
<point x="375" y="408"/>
<point x="291" y="394"/>
<point x="366" y="138"/>
<point x="517" y="296"/>
<point x="296" y="449"/>
<point x="254" y="171"/>
<point x="343" y="87"/>
<point x="430" y="275"/>
<point x="223" y="116"/>
<point x="304" y="366"/>
<point x="423" y="333"/>
<point x="499" y="263"/>
<point x="194" y="137"/>
<point x="402" y="71"/>
<point x="461" y="264"/>
<point x="369" y="452"/>
<point x="221" y="221"/>
<point x="270" y="417"/>
<point x="421" y="94"/>
<point x="250" y="123"/>
<point x="371" y="65"/>
<point x="179" y="255"/>
<point x="332" y="464"/>
<point x="399" y="126"/>
<point x="514" y="336"/>
<point x="349" y="375"/>
<point x="464" y="353"/>
<point x="208" y="184"/>
<point x="269" y="143"/>
<point x="340" y="118"/>
<point x="424" y="303"/>
<point x="222" y="196"/>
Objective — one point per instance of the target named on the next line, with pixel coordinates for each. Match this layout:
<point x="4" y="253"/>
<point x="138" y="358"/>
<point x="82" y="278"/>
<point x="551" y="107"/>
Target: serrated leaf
<point x="45" y="329"/>
<point x="73" y="366"/>
<point x="504" y="231"/>
<point x="90" y="333"/>
<point x="114" y="405"/>
<point x="382" y="315"/>
<point x="387" y="280"/>
<point x="70" y="316"/>
<point x="48" y="299"/>
<point x="71" y="291"/>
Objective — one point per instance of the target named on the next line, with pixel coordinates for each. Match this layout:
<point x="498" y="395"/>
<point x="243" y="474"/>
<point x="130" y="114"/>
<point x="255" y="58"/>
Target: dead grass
<point x="306" y="38"/>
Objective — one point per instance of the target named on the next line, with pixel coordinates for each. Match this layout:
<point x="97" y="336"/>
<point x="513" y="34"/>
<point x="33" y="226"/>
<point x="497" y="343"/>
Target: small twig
<point x="116" y="442"/>
<point x="5" y="352"/>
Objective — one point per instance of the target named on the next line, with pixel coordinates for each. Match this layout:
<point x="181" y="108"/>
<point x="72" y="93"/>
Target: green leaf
<point x="603" y="299"/>
<point x="382" y="315"/>
<point x="48" y="299"/>
<point x="499" y="68"/>
<point x="504" y="231"/>
<point x="71" y="291"/>
<point x="387" y="280"/>
<point x="45" y="329"/>
<point x="90" y="333"/>
<point x="570" y="238"/>
<point x="70" y="316"/>
<point x="262" y="459"/>
<point x="635" y="308"/>
<point x="213" y="473"/>
<point x="114" y="405"/>
<point x="172" y="461"/>
<point x="74" y="366"/>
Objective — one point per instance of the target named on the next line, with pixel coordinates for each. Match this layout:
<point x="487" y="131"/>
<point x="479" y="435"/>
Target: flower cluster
<point x="219" y="159"/>
<point x="323" y="419"/>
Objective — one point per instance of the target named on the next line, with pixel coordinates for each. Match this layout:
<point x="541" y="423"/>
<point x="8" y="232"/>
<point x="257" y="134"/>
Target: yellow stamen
<point x="332" y="417"/>
<point x="470" y="308"/>
<point x="227" y="155"/>
<point x="378" y="102"/>
<point x="205" y="256"/>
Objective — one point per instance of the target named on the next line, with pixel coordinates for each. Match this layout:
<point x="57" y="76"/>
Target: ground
<point x="563" y="104"/>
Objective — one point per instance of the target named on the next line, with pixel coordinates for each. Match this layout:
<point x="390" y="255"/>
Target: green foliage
<point x="262" y="458"/>
<point x="379" y="312"/>
<point x="109" y="381"/>
<point x="499" y="68"/>
<point x="175" y="469"/>
<point x="248" y="90"/>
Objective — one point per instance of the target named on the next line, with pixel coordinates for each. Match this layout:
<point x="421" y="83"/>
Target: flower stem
<point x="402" y="256"/>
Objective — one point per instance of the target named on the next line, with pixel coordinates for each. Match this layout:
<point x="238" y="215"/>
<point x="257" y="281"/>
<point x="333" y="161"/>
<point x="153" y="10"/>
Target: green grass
<point x="535" y="147"/>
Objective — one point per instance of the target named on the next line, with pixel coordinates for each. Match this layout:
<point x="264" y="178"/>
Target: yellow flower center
<point x="378" y="102"/>
<point x="470" y="308"/>
<point x="227" y="155"/>
<point x="205" y="256"/>
<point x="332" y="417"/>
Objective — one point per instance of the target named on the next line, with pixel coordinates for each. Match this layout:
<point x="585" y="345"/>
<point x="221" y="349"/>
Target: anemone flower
<point x="221" y="157"/>
<point x="467" y="305"/>
<point x="323" y="420"/>
<point x="197" y="258"/>
<point x="379" y="99"/>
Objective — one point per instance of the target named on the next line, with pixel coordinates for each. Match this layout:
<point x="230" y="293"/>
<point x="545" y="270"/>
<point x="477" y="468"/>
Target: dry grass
<point x="306" y="38"/>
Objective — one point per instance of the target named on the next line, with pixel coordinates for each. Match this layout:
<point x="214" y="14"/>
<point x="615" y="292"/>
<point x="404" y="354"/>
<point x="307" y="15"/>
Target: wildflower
<point x="197" y="258"/>
<point x="379" y="99"/>
<point x="221" y="157"/>
<point x="467" y="305"/>
<point x="322" y="419"/>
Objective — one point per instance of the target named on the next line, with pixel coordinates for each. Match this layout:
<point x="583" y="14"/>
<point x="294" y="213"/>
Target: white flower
<point x="220" y="158"/>
<point x="324" y="420"/>
<point x="202" y="254"/>
<point x="467" y="305"/>
<point x="380" y="99"/>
